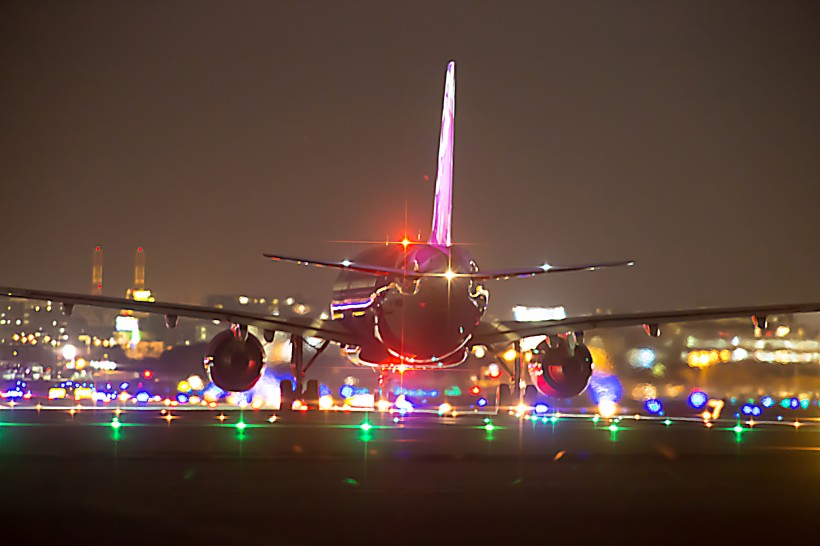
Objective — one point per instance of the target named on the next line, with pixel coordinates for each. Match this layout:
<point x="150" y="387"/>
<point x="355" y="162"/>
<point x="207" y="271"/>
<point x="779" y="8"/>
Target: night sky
<point x="683" y="135"/>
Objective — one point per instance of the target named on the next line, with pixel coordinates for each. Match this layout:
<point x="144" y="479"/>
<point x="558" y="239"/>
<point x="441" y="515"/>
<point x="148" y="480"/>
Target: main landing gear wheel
<point x="505" y="397"/>
<point x="530" y="397"/>
<point x="311" y="395"/>
<point x="286" y="395"/>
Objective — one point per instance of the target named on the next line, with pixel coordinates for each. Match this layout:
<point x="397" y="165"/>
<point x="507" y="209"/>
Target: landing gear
<point x="510" y="397"/>
<point x="505" y="398"/>
<point x="516" y="392"/>
<point x="311" y="395"/>
<point x="380" y="393"/>
<point x="286" y="395"/>
<point x="530" y="396"/>
<point x="306" y="393"/>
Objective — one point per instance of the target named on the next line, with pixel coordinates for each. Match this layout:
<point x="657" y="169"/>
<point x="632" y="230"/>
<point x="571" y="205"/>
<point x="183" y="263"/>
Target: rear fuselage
<point x="410" y="321"/>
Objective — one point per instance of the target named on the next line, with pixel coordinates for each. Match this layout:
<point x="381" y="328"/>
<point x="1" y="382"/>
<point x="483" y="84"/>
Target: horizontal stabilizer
<point x="347" y="264"/>
<point x="481" y="275"/>
<point x="503" y="274"/>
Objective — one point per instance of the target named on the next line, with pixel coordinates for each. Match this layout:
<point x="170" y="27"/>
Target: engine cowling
<point x="560" y="370"/>
<point x="234" y="364"/>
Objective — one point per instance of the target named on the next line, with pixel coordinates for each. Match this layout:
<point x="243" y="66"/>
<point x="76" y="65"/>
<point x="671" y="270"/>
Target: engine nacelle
<point x="559" y="371"/>
<point x="234" y="364"/>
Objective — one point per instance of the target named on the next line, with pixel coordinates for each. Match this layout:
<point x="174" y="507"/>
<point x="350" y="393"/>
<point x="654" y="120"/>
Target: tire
<point x="505" y="397"/>
<point x="311" y="396"/>
<point x="530" y="395"/>
<point x="286" y="395"/>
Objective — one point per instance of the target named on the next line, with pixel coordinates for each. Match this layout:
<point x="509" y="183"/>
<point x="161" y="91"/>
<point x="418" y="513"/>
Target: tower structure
<point x="139" y="270"/>
<point x="138" y="290"/>
<point x="96" y="271"/>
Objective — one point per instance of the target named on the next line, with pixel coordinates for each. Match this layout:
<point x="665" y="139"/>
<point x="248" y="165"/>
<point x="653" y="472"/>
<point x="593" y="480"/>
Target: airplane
<point x="414" y="306"/>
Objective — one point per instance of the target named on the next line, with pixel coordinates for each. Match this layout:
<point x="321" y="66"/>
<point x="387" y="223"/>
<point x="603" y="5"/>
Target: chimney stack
<point x="139" y="270"/>
<point x="96" y="272"/>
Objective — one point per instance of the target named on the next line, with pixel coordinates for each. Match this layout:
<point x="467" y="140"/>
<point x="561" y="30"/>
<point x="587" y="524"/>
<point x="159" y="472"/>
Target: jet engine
<point x="232" y="363"/>
<point x="559" y="369"/>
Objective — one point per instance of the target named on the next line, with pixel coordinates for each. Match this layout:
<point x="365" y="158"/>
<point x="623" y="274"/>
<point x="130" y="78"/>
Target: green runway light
<point x="240" y="425"/>
<point x="365" y="426"/>
<point x="486" y="420"/>
<point x="115" y="423"/>
<point x="738" y="429"/>
<point x="667" y="422"/>
<point x="553" y="419"/>
<point x="613" y="427"/>
<point x="596" y="419"/>
<point x="489" y="427"/>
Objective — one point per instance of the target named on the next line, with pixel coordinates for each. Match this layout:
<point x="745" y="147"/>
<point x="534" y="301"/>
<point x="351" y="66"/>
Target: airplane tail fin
<point x="443" y="206"/>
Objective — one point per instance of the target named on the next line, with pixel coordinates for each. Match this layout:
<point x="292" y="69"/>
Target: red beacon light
<point x="148" y="374"/>
<point x="475" y="390"/>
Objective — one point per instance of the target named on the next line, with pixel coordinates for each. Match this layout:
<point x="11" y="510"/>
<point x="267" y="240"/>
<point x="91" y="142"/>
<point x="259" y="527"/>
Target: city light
<point x="698" y="399"/>
<point x="653" y="406"/>
<point x="607" y="408"/>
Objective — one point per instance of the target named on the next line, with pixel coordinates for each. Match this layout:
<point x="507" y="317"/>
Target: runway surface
<point x="262" y="477"/>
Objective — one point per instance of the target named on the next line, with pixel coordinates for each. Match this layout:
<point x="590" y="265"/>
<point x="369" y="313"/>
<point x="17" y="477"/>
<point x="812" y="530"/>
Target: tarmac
<point x="160" y="476"/>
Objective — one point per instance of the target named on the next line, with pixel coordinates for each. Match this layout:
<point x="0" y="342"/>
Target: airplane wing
<point x="294" y="325"/>
<point x="509" y="331"/>
<point x="500" y="274"/>
<point x="352" y="266"/>
<point x="503" y="274"/>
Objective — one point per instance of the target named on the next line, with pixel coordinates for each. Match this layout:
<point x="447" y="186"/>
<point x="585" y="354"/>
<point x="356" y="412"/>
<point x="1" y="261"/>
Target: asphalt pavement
<point x="263" y="477"/>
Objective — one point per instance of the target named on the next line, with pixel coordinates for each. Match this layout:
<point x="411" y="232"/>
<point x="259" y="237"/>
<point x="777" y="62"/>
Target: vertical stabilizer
<point x="443" y="206"/>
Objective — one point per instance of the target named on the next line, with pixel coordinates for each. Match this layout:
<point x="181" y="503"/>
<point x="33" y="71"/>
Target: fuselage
<point x="407" y="320"/>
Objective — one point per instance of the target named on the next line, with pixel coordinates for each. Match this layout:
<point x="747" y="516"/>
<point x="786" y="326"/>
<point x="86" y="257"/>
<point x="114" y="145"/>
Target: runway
<point x="211" y="476"/>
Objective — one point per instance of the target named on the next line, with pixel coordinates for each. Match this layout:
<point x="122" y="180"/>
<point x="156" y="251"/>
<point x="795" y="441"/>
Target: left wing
<point x="294" y="325"/>
<point x="509" y="331"/>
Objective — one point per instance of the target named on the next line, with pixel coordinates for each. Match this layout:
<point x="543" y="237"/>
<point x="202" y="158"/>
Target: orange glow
<point x="405" y="242"/>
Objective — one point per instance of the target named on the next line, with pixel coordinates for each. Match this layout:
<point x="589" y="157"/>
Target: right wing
<point x="293" y="325"/>
<point x="509" y="331"/>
